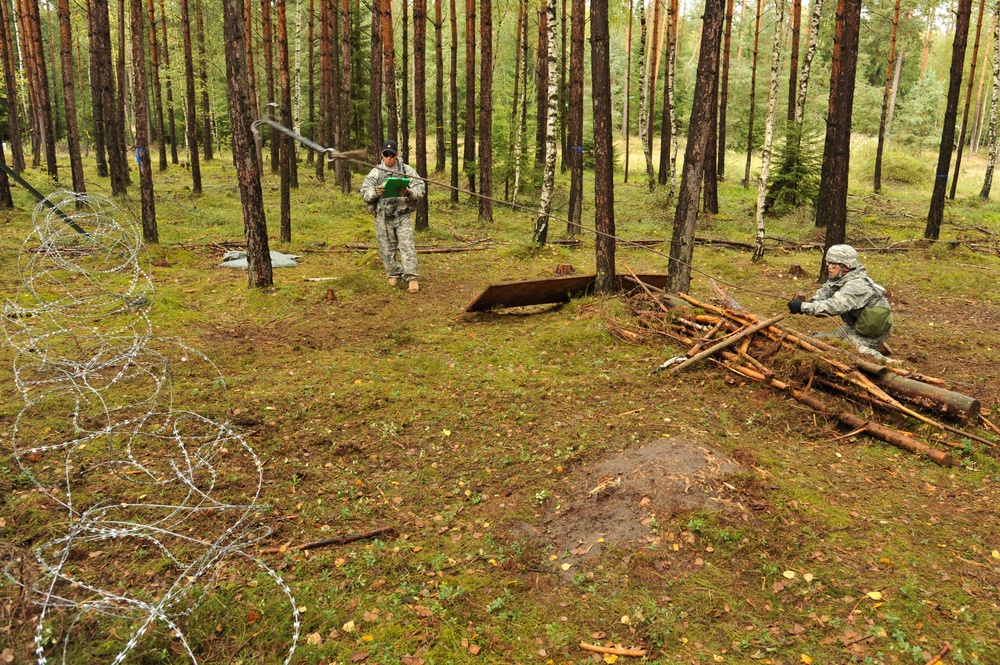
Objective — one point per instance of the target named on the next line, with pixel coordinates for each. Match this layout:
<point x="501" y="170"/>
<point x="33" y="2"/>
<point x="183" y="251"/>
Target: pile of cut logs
<point x="741" y="343"/>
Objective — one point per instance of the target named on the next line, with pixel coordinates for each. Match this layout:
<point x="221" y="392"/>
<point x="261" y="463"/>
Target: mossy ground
<point x="378" y="408"/>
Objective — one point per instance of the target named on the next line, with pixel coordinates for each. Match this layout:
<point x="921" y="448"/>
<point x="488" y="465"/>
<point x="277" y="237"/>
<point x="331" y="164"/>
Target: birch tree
<point x="647" y="149"/>
<point x="190" y="121"/>
<point x="994" y="102"/>
<point x="522" y="123"/>
<point x="772" y="103"/>
<point x="551" y="116"/>
<point x="800" y="101"/>
<point x="69" y="96"/>
<point x="885" y="98"/>
<point x="753" y="91"/>
<point x="968" y="101"/>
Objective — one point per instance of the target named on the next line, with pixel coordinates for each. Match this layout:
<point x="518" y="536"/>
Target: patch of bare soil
<point x="620" y="498"/>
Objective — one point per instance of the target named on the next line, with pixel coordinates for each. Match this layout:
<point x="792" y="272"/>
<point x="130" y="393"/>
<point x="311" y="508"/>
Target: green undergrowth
<point x="370" y="407"/>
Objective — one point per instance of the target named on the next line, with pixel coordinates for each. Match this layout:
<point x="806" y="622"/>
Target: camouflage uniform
<point x="846" y="296"/>
<point x="393" y="222"/>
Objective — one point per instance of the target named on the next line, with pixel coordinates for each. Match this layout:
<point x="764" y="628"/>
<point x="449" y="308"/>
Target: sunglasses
<point x="388" y="154"/>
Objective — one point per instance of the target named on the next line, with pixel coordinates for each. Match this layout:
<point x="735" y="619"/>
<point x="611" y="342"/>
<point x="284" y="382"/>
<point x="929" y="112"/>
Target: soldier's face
<point x="389" y="158"/>
<point x="834" y="270"/>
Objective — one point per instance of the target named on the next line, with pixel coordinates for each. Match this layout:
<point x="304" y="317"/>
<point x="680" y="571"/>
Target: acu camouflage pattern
<point x="393" y="221"/>
<point x="846" y="297"/>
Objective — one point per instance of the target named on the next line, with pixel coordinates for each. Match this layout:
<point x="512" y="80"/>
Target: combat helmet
<point x="845" y="255"/>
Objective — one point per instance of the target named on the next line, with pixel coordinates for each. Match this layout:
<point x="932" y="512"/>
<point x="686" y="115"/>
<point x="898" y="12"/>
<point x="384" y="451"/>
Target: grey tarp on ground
<point x="238" y="259"/>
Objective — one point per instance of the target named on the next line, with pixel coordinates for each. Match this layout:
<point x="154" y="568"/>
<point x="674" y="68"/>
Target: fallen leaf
<point x="411" y="660"/>
<point x="3" y="522"/>
<point x="796" y="629"/>
<point x="359" y="656"/>
<point x="95" y="554"/>
<point x="423" y="611"/>
<point x="446" y="432"/>
<point x="805" y="659"/>
<point x="314" y="639"/>
<point x="598" y="635"/>
<point x="995" y="554"/>
<point x="717" y="658"/>
<point x="370" y="616"/>
<point x="349" y="627"/>
<point x="808" y="577"/>
<point x="789" y="574"/>
<point x="874" y="595"/>
<point x="611" y="658"/>
<point x="566" y="566"/>
<point x="252" y="617"/>
<point x="7" y="656"/>
<point x="625" y="620"/>
<point x="474" y="649"/>
<point x="339" y="561"/>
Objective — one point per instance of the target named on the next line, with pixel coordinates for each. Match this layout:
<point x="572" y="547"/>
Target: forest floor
<point x="744" y="529"/>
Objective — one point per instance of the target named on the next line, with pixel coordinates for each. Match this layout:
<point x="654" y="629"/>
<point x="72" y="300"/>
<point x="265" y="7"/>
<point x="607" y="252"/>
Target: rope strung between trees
<point x="332" y="154"/>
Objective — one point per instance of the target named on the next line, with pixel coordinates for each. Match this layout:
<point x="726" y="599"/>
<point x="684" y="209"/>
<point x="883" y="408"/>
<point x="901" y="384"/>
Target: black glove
<point x="795" y="306"/>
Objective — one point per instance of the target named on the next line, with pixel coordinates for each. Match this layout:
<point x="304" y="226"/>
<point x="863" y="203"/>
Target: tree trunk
<point x="420" y="101"/>
<point x="541" y="89"/>
<point x="551" y="116"/>
<point x="190" y="120"/>
<point x="699" y="134"/>
<point x="287" y="145"/>
<point x="577" y="36"/>
<point x="927" y="42"/>
<point x="170" y="93"/>
<point x="653" y="65"/>
<point x="936" y="213"/>
<point x="453" y="100"/>
<point x="563" y="120"/>
<point x="628" y="84"/>
<point x="6" y="200"/>
<point x="323" y="135"/>
<point x="69" y="96"/>
<point x="710" y="180"/>
<point x="10" y="81"/>
<point x="29" y="82"/>
<point x="123" y="86"/>
<point x="154" y="58"/>
<point x="669" y="88"/>
<point x="311" y="84"/>
<point x="344" y="141"/>
<point x="831" y="205"/>
<point x="604" y="182"/>
<point x="486" y="112"/>
<point x="644" y="100"/>
<point x="522" y="123"/>
<point x="772" y="105"/>
<point x="991" y="158"/>
<point x="389" y="72"/>
<point x="266" y="30"/>
<point x="753" y="92"/>
<point x="800" y="102"/>
<point x="439" y="147"/>
<point x="979" y="105"/>
<point x="892" y="94"/>
<point x="114" y="133"/>
<point x="375" y="132"/>
<point x="724" y="90"/>
<point x="206" y="109"/>
<point x="242" y="114"/>
<point x="469" y="143"/>
<point x="885" y="98"/>
<point x="405" y="147"/>
<point x="42" y="108"/>
<point x="968" y="101"/>
<point x="793" y="64"/>
<point x="739" y="38"/>
<point x="142" y="156"/>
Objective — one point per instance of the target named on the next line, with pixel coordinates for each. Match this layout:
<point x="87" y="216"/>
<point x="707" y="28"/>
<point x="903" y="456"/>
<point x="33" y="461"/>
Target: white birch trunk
<point x="644" y="101"/>
<point x="671" y="104"/>
<point x="551" y="117"/>
<point x="772" y="99"/>
<point x="994" y="102"/>
<point x="522" y="120"/>
<point x="297" y="101"/>
<point x="800" y="101"/>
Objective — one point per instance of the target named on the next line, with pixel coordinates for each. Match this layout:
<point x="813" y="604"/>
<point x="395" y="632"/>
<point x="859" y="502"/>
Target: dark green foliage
<point x="917" y="116"/>
<point x="796" y="182"/>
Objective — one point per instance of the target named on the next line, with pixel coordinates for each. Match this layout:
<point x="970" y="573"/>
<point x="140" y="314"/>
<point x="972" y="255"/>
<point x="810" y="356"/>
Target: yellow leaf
<point x="874" y="595"/>
<point x="446" y="432"/>
<point x="996" y="554"/>
<point x="718" y="658"/>
<point x="805" y="659"/>
<point x="626" y="620"/>
<point x="348" y="627"/>
<point x="566" y="566"/>
<point x="808" y="577"/>
<point x="367" y="638"/>
<point x="611" y="658"/>
<point x="789" y="574"/>
<point x="315" y="639"/>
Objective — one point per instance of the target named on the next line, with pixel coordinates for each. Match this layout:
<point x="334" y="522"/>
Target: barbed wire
<point x="159" y="500"/>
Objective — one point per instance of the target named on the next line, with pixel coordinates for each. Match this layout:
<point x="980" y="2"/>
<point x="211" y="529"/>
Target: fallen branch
<point x="990" y="426"/>
<point x="336" y="540"/>
<point x="420" y="250"/>
<point x="617" y="651"/>
<point x="945" y="648"/>
<point x="725" y="343"/>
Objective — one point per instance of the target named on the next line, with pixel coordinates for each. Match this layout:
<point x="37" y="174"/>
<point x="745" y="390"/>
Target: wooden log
<point x="725" y="343"/>
<point x="618" y="651"/>
<point x="876" y="430"/>
<point x="951" y="403"/>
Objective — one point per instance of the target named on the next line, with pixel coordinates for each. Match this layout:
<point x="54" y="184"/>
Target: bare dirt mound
<point x="623" y="497"/>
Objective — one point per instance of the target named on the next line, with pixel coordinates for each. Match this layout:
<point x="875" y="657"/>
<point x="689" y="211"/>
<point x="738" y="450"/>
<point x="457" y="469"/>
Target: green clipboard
<point x="393" y="185"/>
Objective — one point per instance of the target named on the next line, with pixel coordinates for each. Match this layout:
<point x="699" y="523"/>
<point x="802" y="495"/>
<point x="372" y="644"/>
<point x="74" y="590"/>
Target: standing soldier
<point x="393" y="222"/>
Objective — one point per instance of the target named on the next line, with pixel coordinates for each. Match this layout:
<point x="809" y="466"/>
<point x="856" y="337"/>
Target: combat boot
<point x="413" y="287"/>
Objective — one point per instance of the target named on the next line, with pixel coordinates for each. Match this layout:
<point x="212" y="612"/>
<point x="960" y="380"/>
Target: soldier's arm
<point x="368" y="193"/>
<point x="852" y="296"/>
<point x="418" y="188"/>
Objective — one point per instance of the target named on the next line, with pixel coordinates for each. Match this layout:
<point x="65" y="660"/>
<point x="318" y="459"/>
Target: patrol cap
<point x="390" y="146"/>
<point x="845" y="255"/>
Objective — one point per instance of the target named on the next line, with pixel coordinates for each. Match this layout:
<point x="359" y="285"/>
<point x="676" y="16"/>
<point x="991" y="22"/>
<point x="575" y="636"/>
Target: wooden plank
<point x="548" y="291"/>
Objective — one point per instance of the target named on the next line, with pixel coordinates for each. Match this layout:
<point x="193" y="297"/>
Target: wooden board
<point x="547" y="291"/>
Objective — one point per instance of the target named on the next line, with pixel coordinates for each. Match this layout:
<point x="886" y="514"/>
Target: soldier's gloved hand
<point x="405" y="191"/>
<point x="795" y="306"/>
<point x="380" y="190"/>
